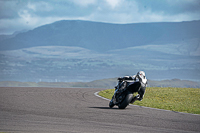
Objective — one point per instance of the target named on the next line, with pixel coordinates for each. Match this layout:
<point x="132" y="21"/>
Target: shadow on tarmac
<point x="107" y="108"/>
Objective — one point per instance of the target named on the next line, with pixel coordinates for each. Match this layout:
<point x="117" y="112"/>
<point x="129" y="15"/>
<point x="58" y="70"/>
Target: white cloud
<point x="31" y="6"/>
<point x="25" y="15"/>
<point x="40" y="6"/>
<point x="114" y="3"/>
<point x="84" y="3"/>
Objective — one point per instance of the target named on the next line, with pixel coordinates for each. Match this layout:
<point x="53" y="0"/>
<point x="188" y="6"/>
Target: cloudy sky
<point x="17" y="15"/>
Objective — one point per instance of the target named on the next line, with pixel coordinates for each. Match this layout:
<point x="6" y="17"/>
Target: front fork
<point x="121" y="85"/>
<point x="114" y="97"/>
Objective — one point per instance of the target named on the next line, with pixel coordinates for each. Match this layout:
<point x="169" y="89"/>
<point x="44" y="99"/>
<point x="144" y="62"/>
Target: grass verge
<point x="176" y="99"/>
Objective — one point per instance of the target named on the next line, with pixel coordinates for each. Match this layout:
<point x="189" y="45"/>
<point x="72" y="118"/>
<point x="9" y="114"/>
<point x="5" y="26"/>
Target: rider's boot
<point x="135" y="98"/>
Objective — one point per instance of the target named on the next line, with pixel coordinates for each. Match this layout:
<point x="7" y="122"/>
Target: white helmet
<point x="141" y="74"/>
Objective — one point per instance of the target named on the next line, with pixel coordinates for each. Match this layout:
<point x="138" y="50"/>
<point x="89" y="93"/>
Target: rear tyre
<point x="126" y="101"/>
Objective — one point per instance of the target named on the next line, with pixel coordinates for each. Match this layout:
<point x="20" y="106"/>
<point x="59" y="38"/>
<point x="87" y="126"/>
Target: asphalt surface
<point x="74" y="110"/>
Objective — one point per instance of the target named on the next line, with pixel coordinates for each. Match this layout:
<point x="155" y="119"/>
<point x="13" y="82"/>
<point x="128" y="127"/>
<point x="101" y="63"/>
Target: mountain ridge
<point x="102" y="36"/>
<point x="71" y="51"/>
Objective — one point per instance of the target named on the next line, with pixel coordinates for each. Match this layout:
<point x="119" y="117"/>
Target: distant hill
<point x="83" y="51"/>
<point x="103" y="83"/>
<point x="103" y="37"/>
<point x="4" y="37"/>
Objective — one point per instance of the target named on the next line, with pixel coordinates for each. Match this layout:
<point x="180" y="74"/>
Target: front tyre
<point x="111" y="104"/>
<point x="125" y="102"/>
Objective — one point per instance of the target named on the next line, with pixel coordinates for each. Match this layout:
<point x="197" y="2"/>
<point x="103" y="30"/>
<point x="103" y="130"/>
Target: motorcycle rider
<point x="140" y="81"/>
<point x="143" y="80"/>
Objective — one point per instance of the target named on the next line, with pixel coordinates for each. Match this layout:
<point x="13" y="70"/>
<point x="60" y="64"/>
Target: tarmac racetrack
<point x="72" y="110"/>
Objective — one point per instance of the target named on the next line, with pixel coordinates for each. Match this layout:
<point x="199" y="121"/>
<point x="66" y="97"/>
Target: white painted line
<point x="97" y="94"/>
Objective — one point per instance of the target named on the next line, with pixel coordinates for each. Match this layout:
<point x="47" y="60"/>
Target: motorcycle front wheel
<point x="126" y="101"/>
<point x="111" y="104"/>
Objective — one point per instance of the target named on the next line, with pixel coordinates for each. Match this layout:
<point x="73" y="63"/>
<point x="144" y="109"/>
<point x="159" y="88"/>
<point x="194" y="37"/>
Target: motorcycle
<point x="123" y="94"/>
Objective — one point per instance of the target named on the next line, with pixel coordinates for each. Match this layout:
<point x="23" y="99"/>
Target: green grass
<point x="176" y="99"/>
